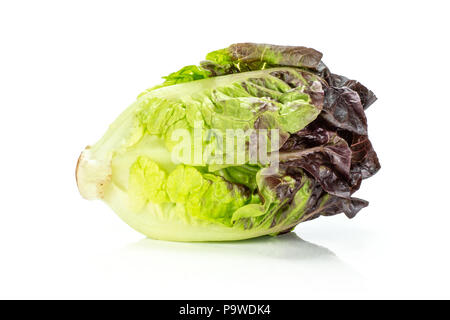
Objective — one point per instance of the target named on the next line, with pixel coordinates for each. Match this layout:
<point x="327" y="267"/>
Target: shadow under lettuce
<point x="288" y="246"/>
<point x="281" y="267"/>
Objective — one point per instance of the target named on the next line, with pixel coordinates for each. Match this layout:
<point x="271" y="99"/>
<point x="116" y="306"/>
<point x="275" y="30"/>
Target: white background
<point x="68" y="68"/>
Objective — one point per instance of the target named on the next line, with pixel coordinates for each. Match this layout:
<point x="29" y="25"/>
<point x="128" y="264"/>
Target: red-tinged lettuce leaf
<point x="334" y="80"/>
<point x="343" y="109"/>
<point x="293" y="56"/>
<point x="329" y="205"/>
<point x="292" y="196"/>
<point x="343" y="114"/>
<point x="364" y="157"/>
<point x="321" y="203"/>
<point x="343" y="101"/>
<point x="367" y="96"/>
<point x="282" y="185"/>
<point x="241" y="57"/>
<point x="325" y="155"/>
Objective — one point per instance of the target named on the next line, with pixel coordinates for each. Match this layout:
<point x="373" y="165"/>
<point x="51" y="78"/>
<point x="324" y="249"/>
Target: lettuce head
<point x="252" y="141"/>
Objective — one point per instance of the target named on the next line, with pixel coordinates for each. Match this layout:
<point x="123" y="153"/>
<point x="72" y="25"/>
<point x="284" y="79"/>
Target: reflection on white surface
<point x="279" y="267"/>
<point x="286" y="247"/>
<point x="283" y="267"/>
